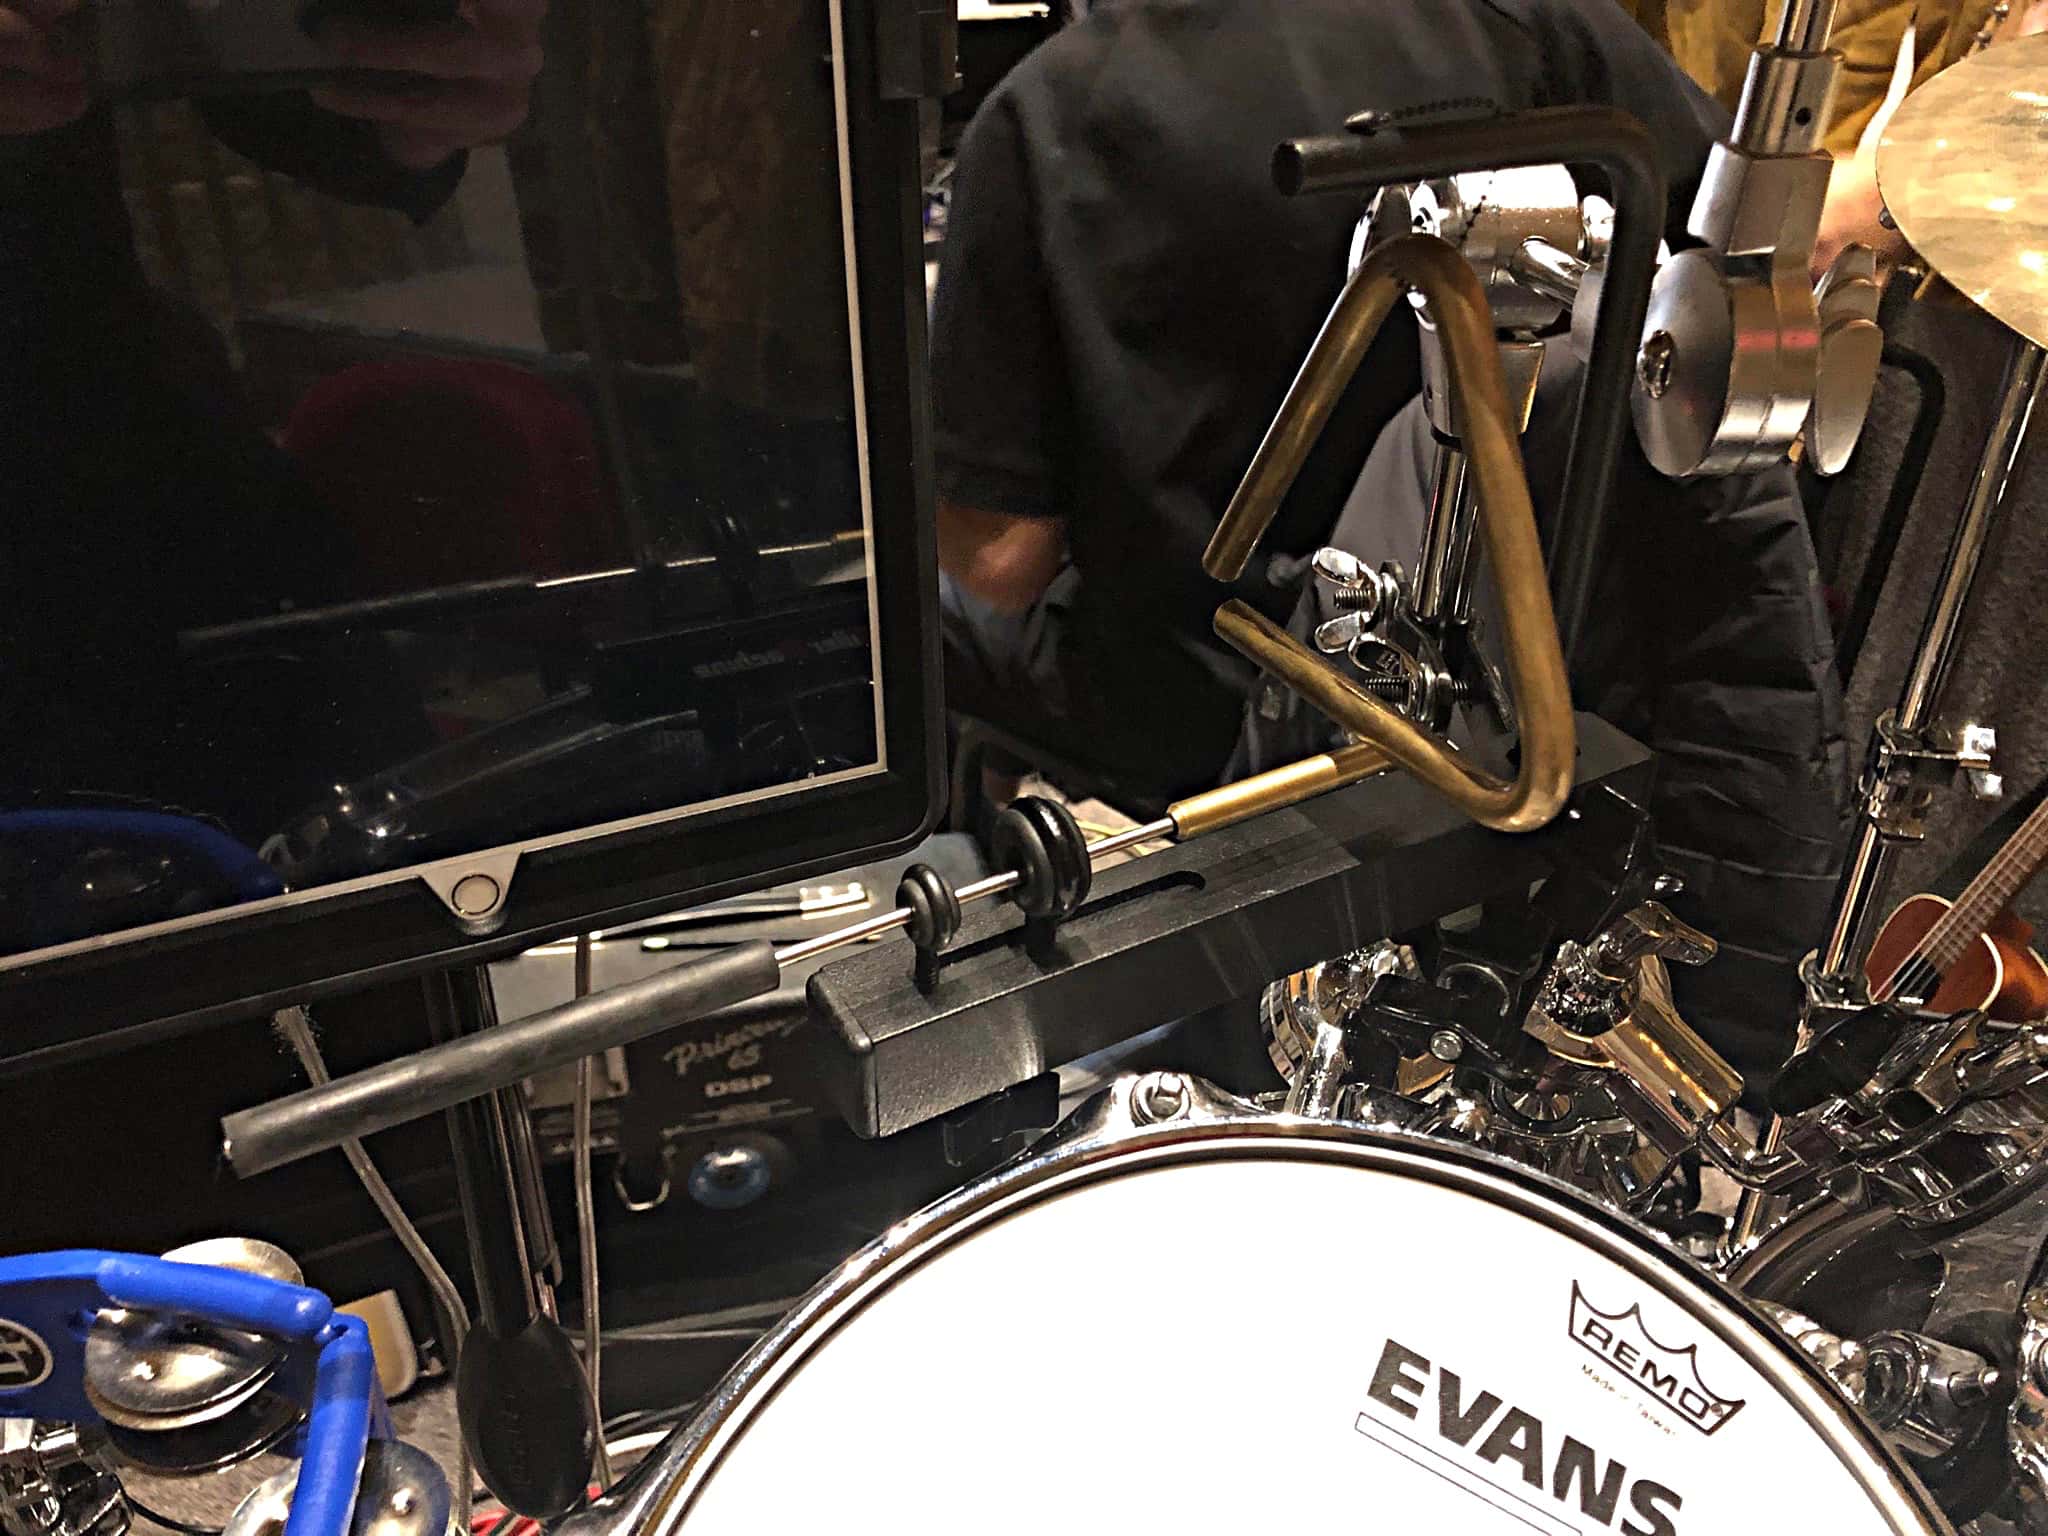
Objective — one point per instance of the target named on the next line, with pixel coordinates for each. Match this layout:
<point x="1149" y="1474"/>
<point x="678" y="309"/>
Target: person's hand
<point x="42" y="82"/>
<point x="477" y="74"/>
<point x="1853" y="207"/>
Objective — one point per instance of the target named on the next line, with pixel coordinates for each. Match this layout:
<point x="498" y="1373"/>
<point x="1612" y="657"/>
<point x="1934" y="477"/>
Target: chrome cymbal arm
<point x="1743" y="354"/>
<point x="2026" y="1432"/>
<point x="1492" y="218"/>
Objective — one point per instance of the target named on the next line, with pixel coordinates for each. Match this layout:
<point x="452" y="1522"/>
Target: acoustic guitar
<point x="1972" y="952"/>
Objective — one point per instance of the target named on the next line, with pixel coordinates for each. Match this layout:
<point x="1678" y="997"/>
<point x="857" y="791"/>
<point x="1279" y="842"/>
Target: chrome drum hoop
<point x="657" y="1499"/>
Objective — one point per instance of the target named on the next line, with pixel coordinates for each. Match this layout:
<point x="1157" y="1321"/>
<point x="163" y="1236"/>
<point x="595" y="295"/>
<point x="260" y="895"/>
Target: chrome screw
<point x="1653" y="365"/>
<point x="1163" y="1097"/>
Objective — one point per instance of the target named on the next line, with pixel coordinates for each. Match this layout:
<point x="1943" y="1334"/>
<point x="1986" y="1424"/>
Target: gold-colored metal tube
<point x="1507" y="524"/>
<point x="1275" y="789"/>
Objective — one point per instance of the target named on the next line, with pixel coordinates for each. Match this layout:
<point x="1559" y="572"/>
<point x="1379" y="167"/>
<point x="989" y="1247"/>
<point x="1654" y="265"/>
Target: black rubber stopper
<point x="526" y="1415"/>
<point x="934" y="908"/>
<point x="1041" y="841"/>
<point x="1839" y="1061"/>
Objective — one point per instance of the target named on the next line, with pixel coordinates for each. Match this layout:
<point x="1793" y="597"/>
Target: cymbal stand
<point x="1910" y="752"/>
<point x="1743" y="353"/>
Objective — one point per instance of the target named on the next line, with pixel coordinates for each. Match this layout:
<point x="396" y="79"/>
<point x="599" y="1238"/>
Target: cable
<point x="673" y="1335"/>
<point x="167" y="1522"/>
<point x="295" y="1028"/>
<point x="649" y="1418"/>
<point x="586" y="1222"/>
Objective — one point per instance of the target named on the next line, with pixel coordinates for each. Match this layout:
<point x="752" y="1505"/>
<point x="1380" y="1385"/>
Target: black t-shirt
<point x="1124" y="295"/>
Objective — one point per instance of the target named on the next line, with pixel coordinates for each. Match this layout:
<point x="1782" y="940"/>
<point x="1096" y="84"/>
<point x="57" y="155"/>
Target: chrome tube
<point x="1446" y="537"/>
<point x="1934" y="656"/>
<point x="1805" y="25"/>
<point x="1554" y="273"/>
<point x="1869" y="865"/>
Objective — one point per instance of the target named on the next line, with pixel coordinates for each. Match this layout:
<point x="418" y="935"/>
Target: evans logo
<point x="1669" y="1375"/>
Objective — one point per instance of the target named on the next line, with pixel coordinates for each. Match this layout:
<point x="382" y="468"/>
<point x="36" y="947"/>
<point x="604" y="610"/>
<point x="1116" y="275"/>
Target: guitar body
<point x="1998" y="973"/>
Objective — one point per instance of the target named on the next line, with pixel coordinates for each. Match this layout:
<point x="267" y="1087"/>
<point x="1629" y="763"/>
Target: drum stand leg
<point x="1907" y="746"/>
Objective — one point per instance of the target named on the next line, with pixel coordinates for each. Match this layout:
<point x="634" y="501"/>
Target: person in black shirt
<point x="1122" y="300"/>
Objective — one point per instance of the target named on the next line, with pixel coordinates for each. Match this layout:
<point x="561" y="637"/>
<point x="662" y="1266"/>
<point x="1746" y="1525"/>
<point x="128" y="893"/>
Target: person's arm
<point x="1853" y="208"/>
<point x="1596" y="54"/>
<point x="399" y="145"/>
<point x="1006" y="561"/>
<point x="1000" y="408"/>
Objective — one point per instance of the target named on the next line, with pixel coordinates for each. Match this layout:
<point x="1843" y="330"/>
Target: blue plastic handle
<point x="337" y="1432"/>
<point x="225" y="1296"/>
<point x="48" y="1300"/>
<point x="47" y="1303"/>
<point x="240" y="866"/>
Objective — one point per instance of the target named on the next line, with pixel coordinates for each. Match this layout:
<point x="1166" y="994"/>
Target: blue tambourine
<point x="50" y="1302"/>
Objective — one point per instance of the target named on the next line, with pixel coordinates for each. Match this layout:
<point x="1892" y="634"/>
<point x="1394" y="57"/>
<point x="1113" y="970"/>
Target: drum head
<point x="1218" y="1331"/>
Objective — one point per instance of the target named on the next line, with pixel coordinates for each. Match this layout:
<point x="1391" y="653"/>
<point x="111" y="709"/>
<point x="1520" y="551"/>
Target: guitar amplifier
<point x="727" y="1180"/>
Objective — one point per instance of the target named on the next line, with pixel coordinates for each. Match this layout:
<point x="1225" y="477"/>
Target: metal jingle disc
<point x="402" y="1493"/>
<point x="150" y="1371"/>
<point x="250" y="1255"/>
<point x="205" y="1413"/>
<point x="1963" y="168"/>
<point x="218" y="1442"/>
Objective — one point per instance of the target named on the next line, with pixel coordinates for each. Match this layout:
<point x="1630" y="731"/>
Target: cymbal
<point x="1963" y="168"/>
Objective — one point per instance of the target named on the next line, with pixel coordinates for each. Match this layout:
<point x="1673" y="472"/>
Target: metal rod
<point x="1131" y="837"/>
<point x="2023" y="388"/>
<point x="1805" y="25"/>
<point x="1319" y="1084"/>
<point x="979" y="890"/>
<point x="1934" y="656"/>
<point x="839" y="938"/>
<point x="494" y="1216"/>
<point x="1554" y="273"/>
<point x="586" y="1222"/>
<point x="1869" y="864"/>
<point x="1444" y="551"/>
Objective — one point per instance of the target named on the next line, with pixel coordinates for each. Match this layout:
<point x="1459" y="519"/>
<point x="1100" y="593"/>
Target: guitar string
<point x="1924" y="966"/>
<point x="1990" y="883"/>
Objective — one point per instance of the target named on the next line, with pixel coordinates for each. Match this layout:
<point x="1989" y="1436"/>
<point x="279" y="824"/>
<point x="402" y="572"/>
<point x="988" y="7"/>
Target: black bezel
<point x="122" y="990"/>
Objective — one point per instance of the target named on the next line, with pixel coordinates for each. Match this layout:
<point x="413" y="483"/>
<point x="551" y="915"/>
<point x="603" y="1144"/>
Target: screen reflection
<point x="399" y="465"/>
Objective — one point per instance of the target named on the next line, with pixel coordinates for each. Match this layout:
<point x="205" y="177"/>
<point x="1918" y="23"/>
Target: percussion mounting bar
<point x="1049" y="882"/>
<point x="1201" y="926"/>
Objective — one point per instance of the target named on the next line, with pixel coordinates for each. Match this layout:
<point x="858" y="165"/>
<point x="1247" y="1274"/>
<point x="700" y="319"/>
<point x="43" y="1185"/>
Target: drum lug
<point x="1138" y="1101"/>
<point x="1158" y="1097"/>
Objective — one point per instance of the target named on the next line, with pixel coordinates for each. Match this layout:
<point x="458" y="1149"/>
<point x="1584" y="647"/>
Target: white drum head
<point x="1231" y="1334"/>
